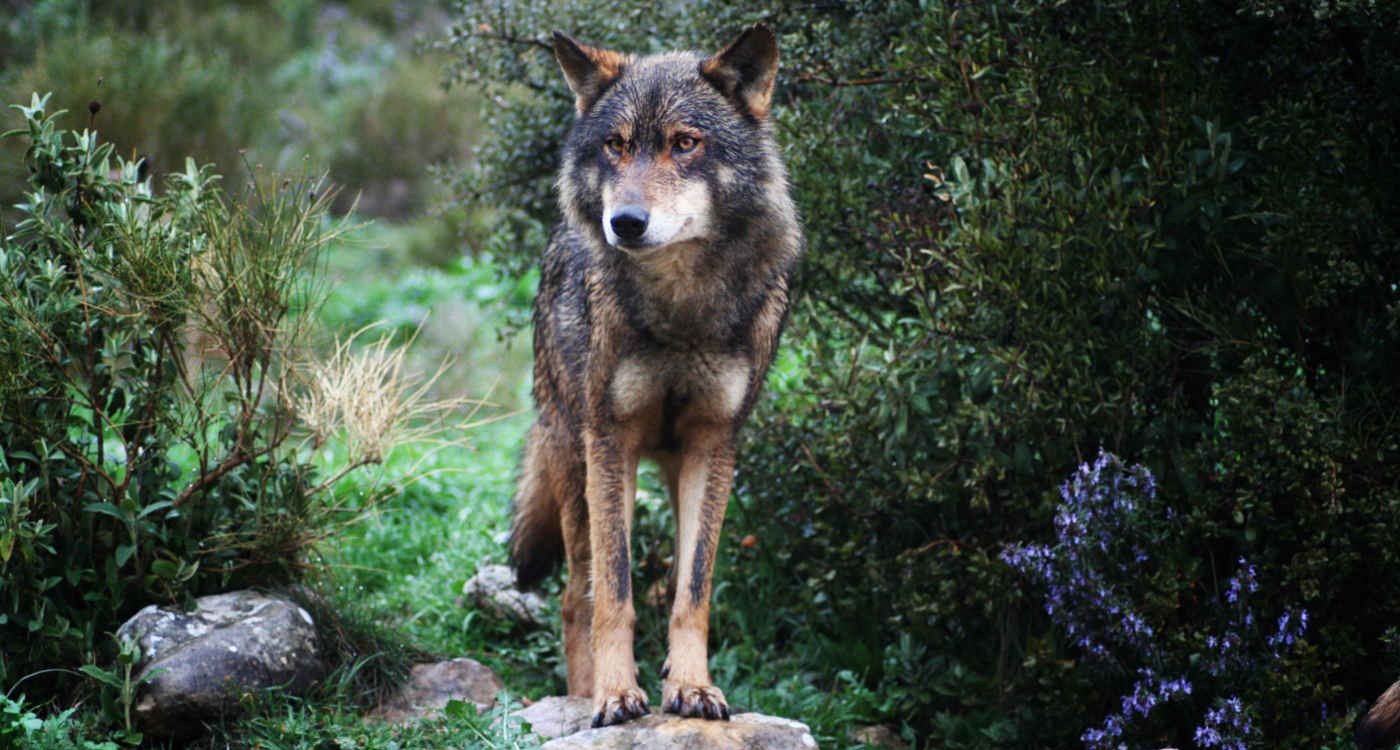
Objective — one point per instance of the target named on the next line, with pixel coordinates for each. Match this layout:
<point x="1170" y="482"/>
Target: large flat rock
<point x="565" y="723"/>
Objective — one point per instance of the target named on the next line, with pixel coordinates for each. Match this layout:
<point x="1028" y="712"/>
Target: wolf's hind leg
<point x="575" y="605"/>
<point x="551" y="519"/>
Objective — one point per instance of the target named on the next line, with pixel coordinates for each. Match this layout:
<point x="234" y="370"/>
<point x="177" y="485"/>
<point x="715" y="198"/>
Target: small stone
<point x="230" y="644"/>
<point x="878" y="735"/>
<point x="493" y="590"/>
<point x="431" y="686"/>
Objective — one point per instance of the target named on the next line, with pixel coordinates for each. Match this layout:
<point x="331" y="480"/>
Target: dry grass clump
<point x="364" y="395"/>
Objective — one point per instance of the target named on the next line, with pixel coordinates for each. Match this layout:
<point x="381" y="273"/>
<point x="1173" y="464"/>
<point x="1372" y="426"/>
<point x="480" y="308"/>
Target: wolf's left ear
<point x="588" y="70"/>
<point x="746" y="69"/>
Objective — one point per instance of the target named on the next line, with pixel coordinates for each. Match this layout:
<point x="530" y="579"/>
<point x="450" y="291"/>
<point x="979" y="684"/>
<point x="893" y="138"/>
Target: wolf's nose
<point x="629" y="223"/>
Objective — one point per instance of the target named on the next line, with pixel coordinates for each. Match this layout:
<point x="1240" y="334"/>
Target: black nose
<point x="629" y="223"/>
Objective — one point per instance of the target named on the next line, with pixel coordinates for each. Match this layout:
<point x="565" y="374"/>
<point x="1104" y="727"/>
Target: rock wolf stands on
<point x="662" y="296"/>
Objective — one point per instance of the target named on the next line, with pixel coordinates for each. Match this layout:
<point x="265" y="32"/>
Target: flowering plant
<point x="1113" y="580"/>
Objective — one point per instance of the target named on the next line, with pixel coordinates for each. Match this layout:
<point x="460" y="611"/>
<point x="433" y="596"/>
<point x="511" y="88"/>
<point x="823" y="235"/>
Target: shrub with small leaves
<point x="150" y="341"/>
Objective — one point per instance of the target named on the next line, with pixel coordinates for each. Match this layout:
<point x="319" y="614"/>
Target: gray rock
<point x="431" y="686"/>
<point x="880" y="736"/>
<point x="564" y="722"/>
<point x="557" y="716"/>
<point x="229" y="645"/>
<point x="493" y="590"/>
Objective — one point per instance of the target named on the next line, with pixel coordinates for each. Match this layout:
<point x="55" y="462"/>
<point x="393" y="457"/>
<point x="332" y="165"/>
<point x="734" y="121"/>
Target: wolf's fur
<point x="661" y="300"/>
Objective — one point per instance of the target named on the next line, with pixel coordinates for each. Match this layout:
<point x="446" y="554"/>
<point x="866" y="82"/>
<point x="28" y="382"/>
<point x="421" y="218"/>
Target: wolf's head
<point x="669" y="149"/>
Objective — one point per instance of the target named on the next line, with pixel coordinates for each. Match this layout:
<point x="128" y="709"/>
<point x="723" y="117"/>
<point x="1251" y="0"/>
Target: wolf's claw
<point x="700" y="701"/>
<point x="622" y="706"/>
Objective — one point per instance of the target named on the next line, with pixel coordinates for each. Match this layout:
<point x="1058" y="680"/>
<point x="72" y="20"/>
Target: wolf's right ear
<point x="746" y="69"/>
<point x="588" y="70"/>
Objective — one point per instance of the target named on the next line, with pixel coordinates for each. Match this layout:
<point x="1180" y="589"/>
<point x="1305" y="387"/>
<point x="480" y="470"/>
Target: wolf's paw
<point x="617" y="706"/>
<point x="700" y="701"/>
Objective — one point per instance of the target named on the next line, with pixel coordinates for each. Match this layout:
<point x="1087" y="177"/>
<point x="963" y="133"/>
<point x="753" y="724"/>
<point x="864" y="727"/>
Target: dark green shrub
<point x="145" y="404"/>
<point x="1165" y="229"/>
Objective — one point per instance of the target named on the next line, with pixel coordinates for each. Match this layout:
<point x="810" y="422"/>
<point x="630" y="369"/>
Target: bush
<point x="145" y="412"/>
<point x="1164" y="229"/>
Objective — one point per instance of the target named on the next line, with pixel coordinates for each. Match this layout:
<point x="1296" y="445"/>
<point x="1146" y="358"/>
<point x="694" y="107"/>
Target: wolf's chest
<point x="680" y="386"/>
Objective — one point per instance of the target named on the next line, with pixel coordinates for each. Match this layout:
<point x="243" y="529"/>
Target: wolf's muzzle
<point x="629" y="223"/>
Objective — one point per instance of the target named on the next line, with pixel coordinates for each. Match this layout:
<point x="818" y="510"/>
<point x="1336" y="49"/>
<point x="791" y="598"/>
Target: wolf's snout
<point x="629" y="223"/>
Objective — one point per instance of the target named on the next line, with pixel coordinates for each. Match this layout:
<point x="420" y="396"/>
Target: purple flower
<point x="1226" y="726"/>
<point x="1108" y="529"/>
<point x="1290" y="628"/>
<point x="1244" y="582"/>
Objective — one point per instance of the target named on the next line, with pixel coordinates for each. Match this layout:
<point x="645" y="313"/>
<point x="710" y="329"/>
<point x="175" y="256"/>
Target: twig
<point x="839" y="83"/>
<point x="234" y="460"/>
<point x="346" y="469"/>
<point x="511" y="39"/>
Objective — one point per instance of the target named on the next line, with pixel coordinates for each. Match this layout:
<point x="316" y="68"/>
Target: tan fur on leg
<point x="706" y="476"/>
<point x="612" y="488"/>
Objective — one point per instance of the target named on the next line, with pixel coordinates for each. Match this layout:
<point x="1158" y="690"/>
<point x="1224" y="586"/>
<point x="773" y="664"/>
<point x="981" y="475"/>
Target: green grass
<point x="433" y="512"/>
<point x="443" y="513"/>
<point x="288" y="723"/>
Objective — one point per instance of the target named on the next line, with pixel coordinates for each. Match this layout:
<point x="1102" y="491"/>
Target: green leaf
<point x="108" y="509"/>
<point x="153" y="507"/>
<point x="101" y="675"/>
<point x="456" y="709"/>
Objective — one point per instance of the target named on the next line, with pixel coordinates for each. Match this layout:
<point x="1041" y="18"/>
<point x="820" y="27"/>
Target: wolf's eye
<point x="614" y="145"/>
<point x="685" y="144"/>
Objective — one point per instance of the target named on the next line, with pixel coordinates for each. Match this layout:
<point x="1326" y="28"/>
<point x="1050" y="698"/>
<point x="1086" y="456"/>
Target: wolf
<point x="663" y="292"/>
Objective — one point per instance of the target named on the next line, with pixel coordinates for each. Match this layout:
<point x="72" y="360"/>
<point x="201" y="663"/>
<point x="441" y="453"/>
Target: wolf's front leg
<point x="611" y="491"/>
<point x="706" y="475"/>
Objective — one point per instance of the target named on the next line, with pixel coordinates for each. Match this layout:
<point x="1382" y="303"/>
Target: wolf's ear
<point x="588" y="70"/>
<point x="746" y="69"/>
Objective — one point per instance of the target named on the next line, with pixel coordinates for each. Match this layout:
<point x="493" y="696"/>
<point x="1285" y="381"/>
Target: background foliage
<point x="1037" y="230"/>
<point x="286" y="85"/>
<point x="1167" y="229"/>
